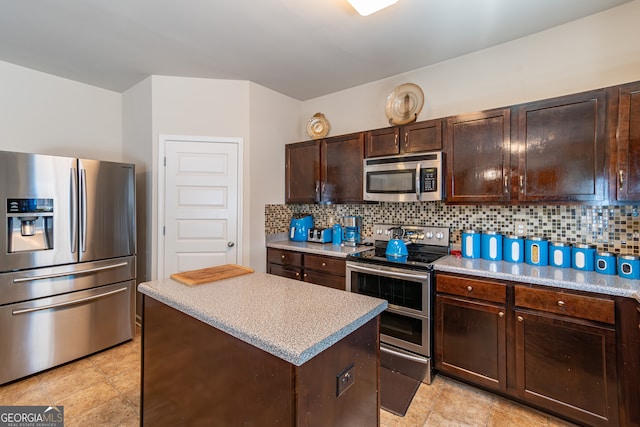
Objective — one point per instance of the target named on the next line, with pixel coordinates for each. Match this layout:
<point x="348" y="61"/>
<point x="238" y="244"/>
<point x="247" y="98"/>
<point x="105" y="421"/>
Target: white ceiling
<point x="301" y="48"/>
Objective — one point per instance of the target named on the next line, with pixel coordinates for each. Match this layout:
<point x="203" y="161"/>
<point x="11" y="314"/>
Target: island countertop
<point x="290" y="319"/>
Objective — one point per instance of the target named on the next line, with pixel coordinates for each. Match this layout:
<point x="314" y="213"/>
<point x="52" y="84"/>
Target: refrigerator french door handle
<point x="68" y="273"/>
<point x="83" y="212"/>
<point x="67" y="303"/>
<point x="73" y="208"/>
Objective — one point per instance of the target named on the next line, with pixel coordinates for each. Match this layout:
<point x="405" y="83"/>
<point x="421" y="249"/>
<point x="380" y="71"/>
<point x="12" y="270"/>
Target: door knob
<point x="231" y="244"/>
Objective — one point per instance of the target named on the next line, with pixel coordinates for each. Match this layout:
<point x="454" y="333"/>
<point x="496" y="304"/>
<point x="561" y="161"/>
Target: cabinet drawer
<point x="584" y="307"/>
<point x="281" y="270"/>
<point x="325" y="264"/>
<point x="328" y="280"/>
<point x="277" y="256"/>
<point x="472" y="288"/>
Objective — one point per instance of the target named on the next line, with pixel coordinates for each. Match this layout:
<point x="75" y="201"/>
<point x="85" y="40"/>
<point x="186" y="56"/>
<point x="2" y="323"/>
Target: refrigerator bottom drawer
<point x="40" y="334"/>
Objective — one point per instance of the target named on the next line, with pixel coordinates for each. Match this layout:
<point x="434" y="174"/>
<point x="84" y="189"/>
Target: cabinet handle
<point x="406" y="140"/>
<point x="317" y="191"/>
<point x="501" y="314"/>
<point x="324" y="264"/>
<point x="469" y="288"/>
<point x="323" y="188"/>
<point x="506" y="183"/>
<point x="621" y="180"/>
<point x="282" y="256"/>
<point x="520" y="319"/>
<point x="305" y="275"/>
<point x="560" y="303"/>
<point x="297" y="274"/>
<point x="521" y="183"/>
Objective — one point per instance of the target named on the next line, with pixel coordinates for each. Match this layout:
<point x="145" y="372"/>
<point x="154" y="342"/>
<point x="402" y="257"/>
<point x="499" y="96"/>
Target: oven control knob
<point x="429" y="235"/>
<point x="439" y="236"/>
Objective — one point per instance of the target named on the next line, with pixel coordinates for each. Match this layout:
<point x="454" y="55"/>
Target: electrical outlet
<point x="345" y="379"/>
<point x="520" y="228"/>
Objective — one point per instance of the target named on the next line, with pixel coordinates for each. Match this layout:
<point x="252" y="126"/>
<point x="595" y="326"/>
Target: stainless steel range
<point x="406" y="327"/>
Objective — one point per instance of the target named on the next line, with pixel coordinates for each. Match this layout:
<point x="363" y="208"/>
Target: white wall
<point x="598" y="51"/>
<point x="274" y="121"/>
<point x="42" y="113"/>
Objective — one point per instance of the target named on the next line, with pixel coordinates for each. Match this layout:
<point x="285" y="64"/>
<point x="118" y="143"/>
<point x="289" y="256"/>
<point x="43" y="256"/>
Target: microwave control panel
<point x="429" y="180"/>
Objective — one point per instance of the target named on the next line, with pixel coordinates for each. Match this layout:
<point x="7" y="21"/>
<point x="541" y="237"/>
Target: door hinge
<point x="164" y="229"/>
<point x="165" y="161"/>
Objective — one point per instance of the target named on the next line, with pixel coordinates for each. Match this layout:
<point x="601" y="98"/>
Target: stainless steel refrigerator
<point x="67" y="266"/>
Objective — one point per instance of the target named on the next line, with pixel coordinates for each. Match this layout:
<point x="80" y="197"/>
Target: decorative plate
<point x="404" y="104"/>
<point x="318" y="126"/>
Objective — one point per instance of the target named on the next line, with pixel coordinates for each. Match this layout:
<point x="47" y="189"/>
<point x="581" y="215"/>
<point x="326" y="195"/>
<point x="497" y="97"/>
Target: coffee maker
<point x="352" y="230"/>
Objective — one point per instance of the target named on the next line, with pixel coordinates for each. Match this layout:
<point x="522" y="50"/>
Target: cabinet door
<point x="422" y="136"/>
<point x="470" y="341"/>
<point x="302" y="179"/>
<point x="562" y="148"/>
<point x="628" y="141"/>
<point x="382" y="142"/>
<point x="328" y="280"/>
<point x="477" y="150"/>
<point x="342" y="169"/>
<point x="567" y="366"/>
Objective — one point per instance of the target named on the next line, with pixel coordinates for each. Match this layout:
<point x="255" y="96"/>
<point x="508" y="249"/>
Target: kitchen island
<point x="258" y="349"/>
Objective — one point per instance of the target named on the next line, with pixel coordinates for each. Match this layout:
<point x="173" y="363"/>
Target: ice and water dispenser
<point x="30" y="225"/>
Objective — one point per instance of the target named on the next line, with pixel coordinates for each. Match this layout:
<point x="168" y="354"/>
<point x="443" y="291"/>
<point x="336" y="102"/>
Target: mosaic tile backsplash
<point x="610" y="228"/>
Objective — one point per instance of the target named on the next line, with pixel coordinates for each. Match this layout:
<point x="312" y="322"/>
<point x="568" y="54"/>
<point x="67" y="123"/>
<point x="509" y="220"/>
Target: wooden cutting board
<point x="210" y="274"/>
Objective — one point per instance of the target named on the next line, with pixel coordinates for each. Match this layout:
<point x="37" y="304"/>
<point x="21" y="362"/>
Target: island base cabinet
<point x="194" y="374"/>
<point x="567" y="366"/>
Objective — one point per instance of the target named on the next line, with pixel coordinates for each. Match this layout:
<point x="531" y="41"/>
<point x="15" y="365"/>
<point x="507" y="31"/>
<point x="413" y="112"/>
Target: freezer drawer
<point x="39" y="334"/>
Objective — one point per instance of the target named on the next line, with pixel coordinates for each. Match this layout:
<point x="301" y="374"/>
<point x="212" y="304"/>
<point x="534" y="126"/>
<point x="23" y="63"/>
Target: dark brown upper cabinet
<point x="413" y="138"/>
<point x="302" y="172"/>
<point x="561" y="149"/>
<point x="325" y="171"/>
<point x="625" y="173"/>
<point x="477" y="155"/>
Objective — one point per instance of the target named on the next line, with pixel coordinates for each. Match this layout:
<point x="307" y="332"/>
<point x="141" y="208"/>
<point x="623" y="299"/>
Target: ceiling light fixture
<point x="367" y="7"/>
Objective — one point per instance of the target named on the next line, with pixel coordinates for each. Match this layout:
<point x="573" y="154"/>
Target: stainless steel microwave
<point x="409" y="178"/>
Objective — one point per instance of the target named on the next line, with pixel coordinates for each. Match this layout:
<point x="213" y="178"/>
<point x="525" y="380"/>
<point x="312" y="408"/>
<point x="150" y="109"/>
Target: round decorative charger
<point x="318" y="126"/>
<point x="404" y="104"/>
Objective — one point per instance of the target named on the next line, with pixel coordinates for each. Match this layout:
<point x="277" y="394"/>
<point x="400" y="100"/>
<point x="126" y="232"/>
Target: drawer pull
<point x="324" y="264"/>
<point x="297" y="274"/>
<point x="520" y="319"/>
<point x="501" y="313"/>
<point x="560" y="303"/>
<point x="305" y="275"/>
<point x="282" y="256"/>
<point x="469" y="288"/>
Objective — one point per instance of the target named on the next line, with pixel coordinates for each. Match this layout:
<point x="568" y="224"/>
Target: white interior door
<point x="201" y="205"/>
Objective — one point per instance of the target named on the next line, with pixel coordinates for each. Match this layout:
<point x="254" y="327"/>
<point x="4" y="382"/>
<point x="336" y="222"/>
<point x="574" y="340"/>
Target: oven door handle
<point x="403" y="355"/>
<point x="387" y="273"/>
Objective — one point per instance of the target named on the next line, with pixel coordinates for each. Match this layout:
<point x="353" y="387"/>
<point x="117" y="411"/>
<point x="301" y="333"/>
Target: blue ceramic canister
<point x="471" y="244"/>
<point x="536" y="251"/>
<point x="513" y="248"/>
<point x="491" y="248"/>
<point x="605" y="263"/>
<point x="560" y="254"/>
<point x="583" y="257"/>
<point x="629" y="266"/>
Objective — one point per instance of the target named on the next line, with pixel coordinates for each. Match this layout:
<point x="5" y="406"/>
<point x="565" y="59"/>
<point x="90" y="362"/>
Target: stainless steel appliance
<point x="320" y="235"/>
<point x="406" y="327"/>
<point x="67" y="271"/>
<point x="408" y="178"/>
<point x="352" y="230"/>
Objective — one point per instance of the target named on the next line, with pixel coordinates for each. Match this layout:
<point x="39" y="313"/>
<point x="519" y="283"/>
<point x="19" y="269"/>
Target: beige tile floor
<point x="104" y="390"/>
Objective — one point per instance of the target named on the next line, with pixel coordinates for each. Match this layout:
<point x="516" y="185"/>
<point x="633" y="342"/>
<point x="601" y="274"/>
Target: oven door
<point x="407" y="321"/>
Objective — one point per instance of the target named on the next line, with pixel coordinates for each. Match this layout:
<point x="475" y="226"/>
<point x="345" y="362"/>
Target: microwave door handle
<point x="418" y="193"/>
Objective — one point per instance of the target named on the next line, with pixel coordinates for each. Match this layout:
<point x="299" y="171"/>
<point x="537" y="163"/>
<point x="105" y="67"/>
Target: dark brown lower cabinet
<point x="472" y="341"/>
<point x="311" y="268"/>
<point x="568" y="366"/>
<point x="574" y="354"/>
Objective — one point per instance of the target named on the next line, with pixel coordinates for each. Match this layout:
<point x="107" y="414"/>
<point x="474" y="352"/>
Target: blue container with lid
<point x="629" y="266"/>
<point x="536" y="251"/>
<point x="560" y="254"/>
<point x="491" y="246"/>
<point x="583" y="257"/>
<point x="605" y="263"/>
<point x="471" y="244"/>
<point x="513" y="248"/>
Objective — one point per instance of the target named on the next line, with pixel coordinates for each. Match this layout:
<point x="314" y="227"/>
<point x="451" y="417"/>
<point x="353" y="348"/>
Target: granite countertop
<point x="290" y="319"/>
<point x="566" y="278"/>
<point x="326" y="249"/>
